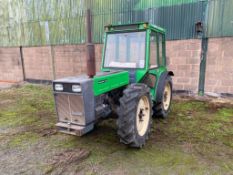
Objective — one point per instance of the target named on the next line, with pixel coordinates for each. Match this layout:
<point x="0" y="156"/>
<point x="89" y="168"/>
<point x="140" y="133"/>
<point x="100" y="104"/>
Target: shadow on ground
<point x="197" y="138"/>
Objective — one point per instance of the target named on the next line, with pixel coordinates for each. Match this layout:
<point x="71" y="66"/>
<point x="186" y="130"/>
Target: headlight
<point x="58" y="87"/>
<point x="76" y="88"/>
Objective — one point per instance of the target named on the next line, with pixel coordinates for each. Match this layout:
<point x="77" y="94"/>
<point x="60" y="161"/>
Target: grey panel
<point x="76" y="111"/>
<point x="70" y="108"/>
<point x="89" y="101"/>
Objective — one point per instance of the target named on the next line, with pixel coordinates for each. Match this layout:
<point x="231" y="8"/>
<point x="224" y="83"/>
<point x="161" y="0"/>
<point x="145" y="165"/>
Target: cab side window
<point x="161" y="50"/>
<point x="153" y="50"/>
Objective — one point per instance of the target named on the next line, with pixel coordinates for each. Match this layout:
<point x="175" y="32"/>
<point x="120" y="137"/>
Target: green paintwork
<point x="204" y="48"/>
<point x="138" y="25"/>
<point x="157" y="72"/>
<point x="144" y="4"/>
<point x="139" y="73"/>
<point x="106" y="83"/>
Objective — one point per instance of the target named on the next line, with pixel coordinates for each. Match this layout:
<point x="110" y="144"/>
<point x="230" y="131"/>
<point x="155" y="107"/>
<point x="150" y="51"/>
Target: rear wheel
<point x="162" y="107"/>
<point x="134" y="121"/>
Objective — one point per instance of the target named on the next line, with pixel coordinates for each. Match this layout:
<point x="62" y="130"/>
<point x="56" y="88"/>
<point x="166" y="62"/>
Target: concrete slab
<point x="8" y="85"/>
<point x="5" y="85"/>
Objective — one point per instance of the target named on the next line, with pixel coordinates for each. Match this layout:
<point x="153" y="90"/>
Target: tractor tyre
<point x="134" y="115"/>
<point x="161" y="107"/>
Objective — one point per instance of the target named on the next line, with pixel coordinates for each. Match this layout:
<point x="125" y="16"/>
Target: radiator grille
<point x="70" y="108"/>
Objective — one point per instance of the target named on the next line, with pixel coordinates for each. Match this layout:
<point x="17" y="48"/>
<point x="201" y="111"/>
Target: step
<point x="73" y="129"/>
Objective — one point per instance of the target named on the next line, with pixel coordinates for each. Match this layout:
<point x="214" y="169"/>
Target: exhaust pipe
<point x="90" y="52"/>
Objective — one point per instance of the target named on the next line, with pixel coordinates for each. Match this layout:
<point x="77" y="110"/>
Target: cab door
<point x="157" y="62"/>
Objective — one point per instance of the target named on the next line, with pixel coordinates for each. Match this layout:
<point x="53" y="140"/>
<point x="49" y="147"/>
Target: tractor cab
<point x="134" y="46"/>
<point x="138" y="48"/>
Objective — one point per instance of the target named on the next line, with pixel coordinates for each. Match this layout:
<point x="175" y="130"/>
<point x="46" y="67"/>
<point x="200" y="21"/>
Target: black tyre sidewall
<point x="127" y="116"/>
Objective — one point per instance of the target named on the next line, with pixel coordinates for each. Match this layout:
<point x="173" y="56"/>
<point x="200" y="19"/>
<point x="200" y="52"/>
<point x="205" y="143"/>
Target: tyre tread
<point x="126" y="113"/>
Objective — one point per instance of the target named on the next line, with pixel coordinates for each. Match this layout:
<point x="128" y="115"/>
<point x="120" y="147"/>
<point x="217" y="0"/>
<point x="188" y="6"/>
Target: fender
<point x="160" y="85"/>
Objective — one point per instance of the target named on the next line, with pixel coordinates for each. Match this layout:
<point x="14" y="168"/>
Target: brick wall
<point x="183" y="58"/>
<point x="69" y="60"/>
<point x="38" y="63"/>
<point x="10" y="65"/>
<point x="219" y="66"/>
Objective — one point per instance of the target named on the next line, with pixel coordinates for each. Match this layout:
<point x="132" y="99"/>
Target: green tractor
<point x="133" y="83"/>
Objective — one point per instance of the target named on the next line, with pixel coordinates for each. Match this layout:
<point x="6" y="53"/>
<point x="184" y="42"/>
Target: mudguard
<point x="161" y="84"/>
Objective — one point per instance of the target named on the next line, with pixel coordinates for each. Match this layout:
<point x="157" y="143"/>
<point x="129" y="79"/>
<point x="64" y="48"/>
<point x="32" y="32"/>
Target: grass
<point x="197" y="138"/>
<point x="23" y="140"/>
<point x="28" y="105"/>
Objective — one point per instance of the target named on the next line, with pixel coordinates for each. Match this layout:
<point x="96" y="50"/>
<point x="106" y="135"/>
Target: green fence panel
<point x="142" y="4"/>
<point x="220" y="18"/>
<point x="77" y="30"/>
<point x="77" y="8"/>
<point x="59" y="31"/>
<point x="45" y="9"/>
<point x="32" y="34"/>
<point x="28" y="10"/>
<point x="4" y="15"/>
<point x="14" y="35"/>
<point x="4" y="37"/>
<point x="45" y="22"/>
<point x="44" y="33"/>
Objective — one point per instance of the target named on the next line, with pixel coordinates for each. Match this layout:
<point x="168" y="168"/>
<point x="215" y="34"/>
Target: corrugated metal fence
<point x="220" y="18"/>
<point x="54" y="22"/>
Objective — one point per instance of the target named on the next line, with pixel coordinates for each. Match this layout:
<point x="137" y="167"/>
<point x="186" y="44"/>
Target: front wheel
<point x="134" y="115"/>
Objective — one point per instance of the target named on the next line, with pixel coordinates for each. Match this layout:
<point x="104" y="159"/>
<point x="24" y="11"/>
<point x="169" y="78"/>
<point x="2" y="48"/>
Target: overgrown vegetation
<point x="197" y="138"/>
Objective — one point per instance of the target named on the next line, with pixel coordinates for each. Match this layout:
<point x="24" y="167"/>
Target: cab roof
<point x="133" y="26"/>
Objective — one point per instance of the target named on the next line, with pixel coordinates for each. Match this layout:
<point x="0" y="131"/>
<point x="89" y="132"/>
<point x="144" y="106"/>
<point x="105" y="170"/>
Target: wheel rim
<point x="143" y="115"/>
<point x="167" y="96"/>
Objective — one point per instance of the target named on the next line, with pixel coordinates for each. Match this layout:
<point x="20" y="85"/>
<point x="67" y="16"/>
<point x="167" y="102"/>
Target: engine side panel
<point x="109" y="81"/>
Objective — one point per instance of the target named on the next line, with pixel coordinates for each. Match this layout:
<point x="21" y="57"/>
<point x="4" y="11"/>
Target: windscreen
<point x="125" y="50"/>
